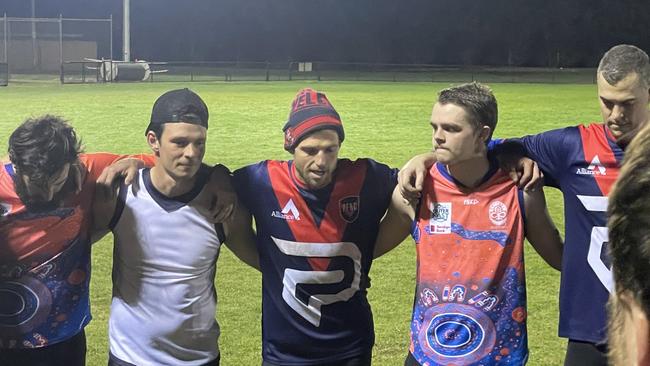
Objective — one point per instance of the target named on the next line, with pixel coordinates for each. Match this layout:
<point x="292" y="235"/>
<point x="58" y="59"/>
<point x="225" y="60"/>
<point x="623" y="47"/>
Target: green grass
<point x="385" y="121"/>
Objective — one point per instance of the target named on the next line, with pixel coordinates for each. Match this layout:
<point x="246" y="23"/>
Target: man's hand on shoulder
<point x="218" y="199"/>
<point x="111" y="176"/>
<point x="412" y="174"/>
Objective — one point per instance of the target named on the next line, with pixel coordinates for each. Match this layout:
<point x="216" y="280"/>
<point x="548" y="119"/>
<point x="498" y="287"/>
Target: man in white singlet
<point x="164" y="299"/>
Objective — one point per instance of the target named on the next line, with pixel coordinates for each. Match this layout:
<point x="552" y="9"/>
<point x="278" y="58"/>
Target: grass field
<point x="385" y="121"/>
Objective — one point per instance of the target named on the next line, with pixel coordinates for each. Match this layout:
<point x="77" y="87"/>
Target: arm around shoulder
<point x="540" y="229"/>
<point x="240" y="237"/>
<point x="104" y="205"/>
<point x="396" y="224"/>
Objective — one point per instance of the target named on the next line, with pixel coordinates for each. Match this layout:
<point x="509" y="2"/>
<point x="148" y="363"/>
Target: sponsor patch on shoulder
<point x="440" y="221"/>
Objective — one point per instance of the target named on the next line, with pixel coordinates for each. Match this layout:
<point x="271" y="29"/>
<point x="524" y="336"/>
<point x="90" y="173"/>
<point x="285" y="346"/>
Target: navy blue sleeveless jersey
<point x="583" y="162"/>
<point x="316" y="248"/>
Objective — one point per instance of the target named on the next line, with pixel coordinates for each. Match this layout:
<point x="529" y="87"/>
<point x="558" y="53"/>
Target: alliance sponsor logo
<point x="289" y="212"/>
<point x="594" y="168"/>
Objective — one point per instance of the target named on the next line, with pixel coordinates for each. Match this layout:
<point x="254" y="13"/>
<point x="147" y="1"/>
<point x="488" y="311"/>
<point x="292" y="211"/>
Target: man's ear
<point x="153" y="142"/>
<point x="484" y="133"/>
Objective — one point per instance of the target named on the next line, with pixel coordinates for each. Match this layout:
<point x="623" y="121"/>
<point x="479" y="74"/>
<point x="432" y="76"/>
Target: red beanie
<point x="310" y="112"/>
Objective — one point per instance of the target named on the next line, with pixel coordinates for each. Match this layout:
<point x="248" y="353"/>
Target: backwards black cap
<point x="180" y="105"/>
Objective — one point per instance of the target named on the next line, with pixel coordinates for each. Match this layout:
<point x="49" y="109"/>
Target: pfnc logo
<point x="349" y="208"/>
<point x="289" y="212"/>
<point x="498" y="213"/>
<point x="594" y="168"/>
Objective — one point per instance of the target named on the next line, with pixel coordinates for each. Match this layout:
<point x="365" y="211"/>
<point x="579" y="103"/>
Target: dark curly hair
<point x="41" y="146"/>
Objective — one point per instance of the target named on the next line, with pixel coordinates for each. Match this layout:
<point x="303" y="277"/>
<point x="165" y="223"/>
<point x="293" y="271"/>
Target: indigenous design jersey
<point x="583" y="162"/>
<point x="164" y="264"/>
<point x="315" y="248"/>
<point x="45" y="262"/>
<point x="470" y="300"/>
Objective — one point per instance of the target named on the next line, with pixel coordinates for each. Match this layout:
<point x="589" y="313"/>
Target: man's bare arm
<point x="104" y="204"/>
<point x="240" y="237"/>
<point x="540" y="229"/>
<point x="396" y="224"/>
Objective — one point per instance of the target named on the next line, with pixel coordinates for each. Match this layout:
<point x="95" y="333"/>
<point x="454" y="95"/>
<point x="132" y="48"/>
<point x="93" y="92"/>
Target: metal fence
<point x="227" y="71"/>
<point x="38" y="46"/>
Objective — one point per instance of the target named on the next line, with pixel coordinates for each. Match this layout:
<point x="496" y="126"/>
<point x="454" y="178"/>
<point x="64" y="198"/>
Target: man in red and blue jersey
<point x="583" y="162"/>
<point x="469" y="229"/>
<point x="317" y="218"/>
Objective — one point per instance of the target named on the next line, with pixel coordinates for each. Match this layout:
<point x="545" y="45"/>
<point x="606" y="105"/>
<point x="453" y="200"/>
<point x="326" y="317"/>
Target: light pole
<point x="34" y="54"/>
<point x="126" y="45"/>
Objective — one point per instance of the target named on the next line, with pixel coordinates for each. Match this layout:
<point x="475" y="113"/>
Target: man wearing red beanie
<point x="317" y="217"/>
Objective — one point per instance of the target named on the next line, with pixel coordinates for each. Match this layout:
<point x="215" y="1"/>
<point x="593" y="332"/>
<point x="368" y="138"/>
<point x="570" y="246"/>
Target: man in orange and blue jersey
<point x="46" y="190"/>
<point x="469" y="228"/>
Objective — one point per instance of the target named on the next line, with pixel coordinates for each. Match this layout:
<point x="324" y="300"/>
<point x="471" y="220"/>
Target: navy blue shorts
<point x="585" y="353"/>
<point x="71" y="352"/>
<point x="363" y="360"/>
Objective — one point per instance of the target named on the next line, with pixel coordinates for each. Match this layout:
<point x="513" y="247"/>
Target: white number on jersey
<point x="311" y="311"/>
<point x="599" y="237"/>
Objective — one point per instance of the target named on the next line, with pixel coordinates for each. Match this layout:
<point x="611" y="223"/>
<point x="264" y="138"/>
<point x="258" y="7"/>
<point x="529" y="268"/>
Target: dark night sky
<point x="479" y="32"/>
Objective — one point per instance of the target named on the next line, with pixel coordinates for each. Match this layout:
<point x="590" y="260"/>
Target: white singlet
<point x="164" y="264"/>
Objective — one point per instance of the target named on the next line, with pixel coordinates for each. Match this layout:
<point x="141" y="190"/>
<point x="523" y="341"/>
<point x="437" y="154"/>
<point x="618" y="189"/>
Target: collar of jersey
<point x="171" y="204"/>
<point x="442" y="168"/>
<point x="10" y="170"/>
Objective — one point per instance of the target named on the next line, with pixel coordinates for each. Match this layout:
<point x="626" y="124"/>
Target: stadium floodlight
<point x="126" y="34"/>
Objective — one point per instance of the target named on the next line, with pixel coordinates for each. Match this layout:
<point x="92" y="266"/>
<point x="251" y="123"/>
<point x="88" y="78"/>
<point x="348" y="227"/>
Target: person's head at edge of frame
<point x="463" y="120"/>
<point x="313" y="135"/>
<point x="629" y="240"/>
<point x="177" y="133"/>
<point x="623" y="80"/>
<point x="44" y="152"/>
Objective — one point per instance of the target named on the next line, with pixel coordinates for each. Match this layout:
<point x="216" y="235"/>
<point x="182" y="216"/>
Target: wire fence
<point x="38" y="46"/>
<point x="227" y="71"/>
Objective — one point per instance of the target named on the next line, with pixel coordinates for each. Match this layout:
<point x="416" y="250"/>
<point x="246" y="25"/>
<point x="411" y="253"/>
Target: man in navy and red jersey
<point x="469" y="228"/>
<point x="316" y="217"/>
<point x="583" y="162"/>
<point x="46" y="191"/>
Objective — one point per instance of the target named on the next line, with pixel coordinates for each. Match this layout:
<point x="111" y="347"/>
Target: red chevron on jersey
<point x="598" y="153"/>
<point x="335" y="220"/>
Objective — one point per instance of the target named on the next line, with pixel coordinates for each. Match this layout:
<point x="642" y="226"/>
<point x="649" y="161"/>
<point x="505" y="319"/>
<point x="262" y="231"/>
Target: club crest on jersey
<point x="289" y="212"/>
<point x="498" y="213"/>
<point x="594" y="168"/>
<point x="440" y="221"/>
<point x="349" y="208"/>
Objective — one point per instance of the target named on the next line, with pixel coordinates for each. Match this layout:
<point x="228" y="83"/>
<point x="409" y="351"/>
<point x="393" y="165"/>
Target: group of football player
<point x="320" y="220"/>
